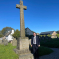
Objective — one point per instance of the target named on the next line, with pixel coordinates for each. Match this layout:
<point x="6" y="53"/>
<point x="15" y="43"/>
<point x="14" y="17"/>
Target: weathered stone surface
<point x="30" y="41"/>
<point x="22" y="42"/>
<point x="14" y="42"/>
<point x="22" y="27"/>
<point x="0" y="41"/>
<point x="10" y="41"/>
<point x="22" y="45"/>
<point x="53" y="36"/>
<point x="21" y="52"/>
<point x="26" y="56"/>
<point x="37" y="33"/>
<point x="5" y="42"/>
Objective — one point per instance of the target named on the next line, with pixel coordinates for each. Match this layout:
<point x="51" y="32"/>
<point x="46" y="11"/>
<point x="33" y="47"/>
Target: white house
<point x="0" y="38"/>
<point x="9" y="37"/>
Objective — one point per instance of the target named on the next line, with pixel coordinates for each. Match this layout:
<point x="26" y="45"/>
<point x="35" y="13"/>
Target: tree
<point x="57" y="35"/>
<point x="5" y="30"/>
<point x="1" y="35"/>
<point x="57" y="32"/>
<point x="0" y="32"/>
<point x="16" y="34"/>
<point x="40" y="35"/>
<point x="49" y="35"/>
<point x="44" y="35"/>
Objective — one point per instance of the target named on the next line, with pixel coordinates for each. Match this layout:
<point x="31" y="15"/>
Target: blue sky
<point x="40" y="16"/>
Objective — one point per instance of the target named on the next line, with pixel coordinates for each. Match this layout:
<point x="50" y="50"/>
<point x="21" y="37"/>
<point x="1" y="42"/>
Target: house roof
<point x="29" y="29"/>
<point x="48" y="32"/>
<point x="8" y="33"/>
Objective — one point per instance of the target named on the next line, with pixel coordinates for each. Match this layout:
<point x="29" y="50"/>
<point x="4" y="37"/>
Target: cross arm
<point x="17" y="6"/>
<point x="25" y="7"/>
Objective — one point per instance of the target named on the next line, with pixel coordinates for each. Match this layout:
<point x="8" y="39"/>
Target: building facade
<point x="52" y="33"/>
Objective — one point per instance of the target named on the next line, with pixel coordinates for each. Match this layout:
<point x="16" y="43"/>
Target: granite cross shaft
<point x="22" y="26"/>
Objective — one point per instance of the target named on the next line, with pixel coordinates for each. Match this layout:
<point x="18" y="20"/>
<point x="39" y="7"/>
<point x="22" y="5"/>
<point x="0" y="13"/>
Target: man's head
<point x="34" y="34"/>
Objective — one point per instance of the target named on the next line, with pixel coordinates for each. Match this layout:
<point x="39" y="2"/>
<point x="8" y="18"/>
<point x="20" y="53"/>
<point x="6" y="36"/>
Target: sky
<point x="40" y="16"/>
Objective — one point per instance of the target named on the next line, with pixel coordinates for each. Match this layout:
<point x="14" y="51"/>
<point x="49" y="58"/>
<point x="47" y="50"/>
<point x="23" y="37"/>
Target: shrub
<point x="42" y="50"/>
<point x="16" y="34"/>
<point x="53" y="43"/>
<point x="29" y="36"/>
<point x="1" y="35"/>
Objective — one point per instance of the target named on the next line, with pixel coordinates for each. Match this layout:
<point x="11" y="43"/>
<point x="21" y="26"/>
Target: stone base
<point x="22" y="43"/>
<point x="26" y="56"/>
<point x="21" y="52"/>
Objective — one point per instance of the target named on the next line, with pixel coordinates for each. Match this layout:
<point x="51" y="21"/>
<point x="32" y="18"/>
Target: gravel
<point x="53" y="55"/>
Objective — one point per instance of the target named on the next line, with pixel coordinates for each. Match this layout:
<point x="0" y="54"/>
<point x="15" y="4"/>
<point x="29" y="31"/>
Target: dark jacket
<point x="37" y="40"/>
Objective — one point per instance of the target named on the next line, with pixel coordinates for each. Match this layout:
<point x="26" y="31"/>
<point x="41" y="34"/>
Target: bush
<point x="53" y="43"/>
<point x="5" y="30"/>
<point x="16" y="34"/>
<point x="29" y="36"/>
<point x="57" y="35"/>
<point x="1" y="35"/>
<point x="43" y="50"/>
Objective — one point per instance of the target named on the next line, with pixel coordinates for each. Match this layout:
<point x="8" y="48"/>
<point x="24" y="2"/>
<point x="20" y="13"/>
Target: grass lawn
<point x="53" y="43"/>
<point x="44" y="50"/>
<point x="6" y="52"/>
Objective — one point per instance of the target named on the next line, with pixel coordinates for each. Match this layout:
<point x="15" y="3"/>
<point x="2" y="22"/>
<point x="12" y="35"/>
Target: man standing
<point x="35" y="43"/>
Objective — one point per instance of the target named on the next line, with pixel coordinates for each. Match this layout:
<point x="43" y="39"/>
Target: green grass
<point x="6" y="52"/>
<point x="53" y="43"/>
<point x="44" y="50"/>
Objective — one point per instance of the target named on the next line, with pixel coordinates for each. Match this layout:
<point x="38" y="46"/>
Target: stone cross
<point x="22" y="26"/>
<point x="22" y="42"/>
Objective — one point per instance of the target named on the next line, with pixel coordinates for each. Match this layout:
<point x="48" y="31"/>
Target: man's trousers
<point x="35" y="51"/>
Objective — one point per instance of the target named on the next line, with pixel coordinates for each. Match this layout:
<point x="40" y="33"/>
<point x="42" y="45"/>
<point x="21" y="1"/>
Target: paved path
<point x="53" y="55"/>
